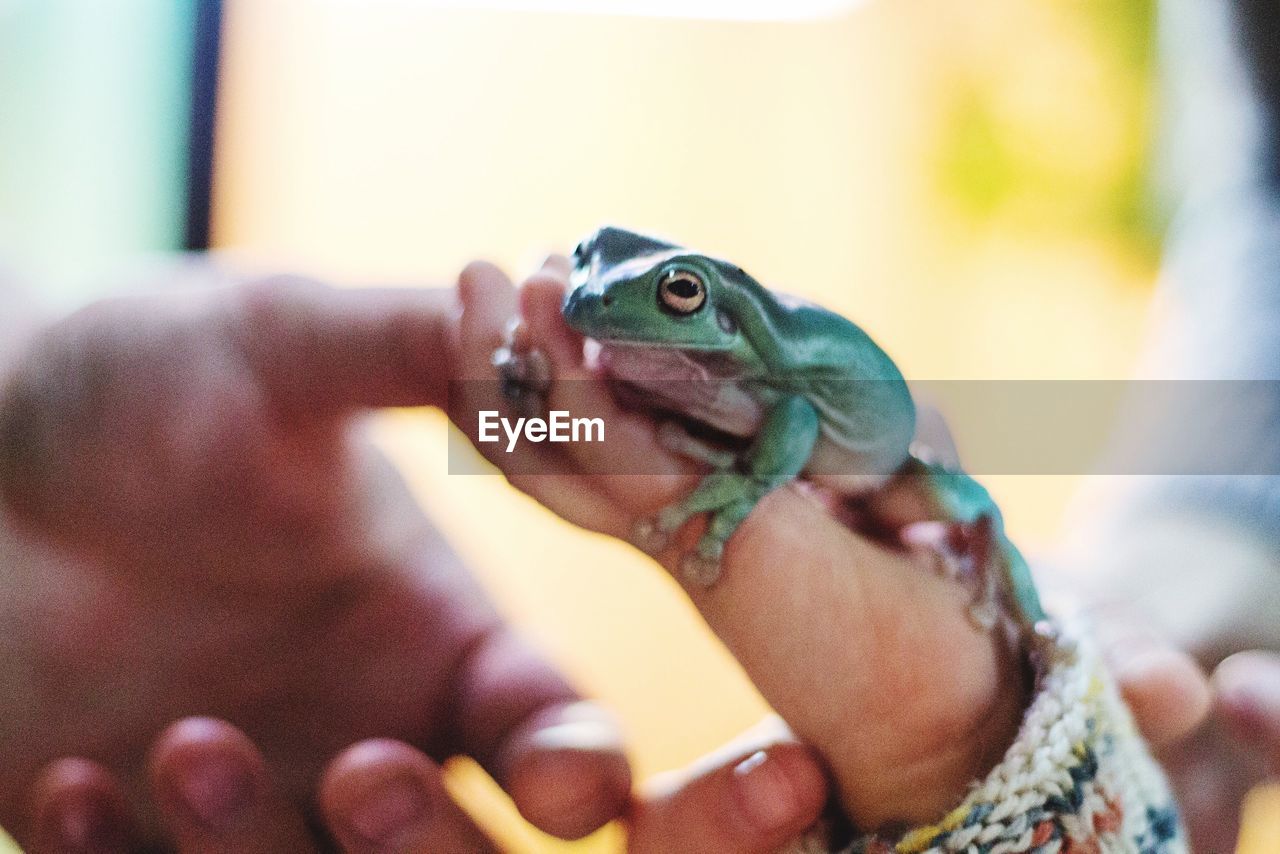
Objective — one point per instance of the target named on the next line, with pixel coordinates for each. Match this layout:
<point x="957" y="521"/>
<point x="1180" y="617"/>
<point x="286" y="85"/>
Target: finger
<point x="320" y="350"/>
<point x="577" y="500"/>
<point x="541" y="298"/>
<point x="215" y="793"/>
<point x="1164" y="687"/>
<point x="489" y="303"/>
<point x="489" y="306"/>
<point x="78" y="807"/>
<point x="560" y="759"/>
<point x="557" y="265"/>
<point x="756" y="795"/>
<point x="933" y="436"/>
<point x="630" y="445"/>
<point x="1248" y="696"/>
<point x="384" y="796"/>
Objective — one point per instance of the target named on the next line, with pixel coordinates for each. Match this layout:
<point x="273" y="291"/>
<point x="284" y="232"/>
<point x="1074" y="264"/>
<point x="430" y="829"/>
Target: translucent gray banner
<point x="1041" y="427"/>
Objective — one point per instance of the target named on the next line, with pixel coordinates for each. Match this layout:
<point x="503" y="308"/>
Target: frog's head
<point x="629" y="288"/>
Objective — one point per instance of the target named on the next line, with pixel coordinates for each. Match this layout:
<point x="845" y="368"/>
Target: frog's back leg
<point x="966" y="530"/>
<point x="776" y="457"/>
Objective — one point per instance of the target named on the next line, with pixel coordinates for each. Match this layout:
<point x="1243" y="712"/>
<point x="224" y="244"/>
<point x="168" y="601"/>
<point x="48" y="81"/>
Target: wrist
<point x="971" y="729"/>
<point x="1077" y="775"/>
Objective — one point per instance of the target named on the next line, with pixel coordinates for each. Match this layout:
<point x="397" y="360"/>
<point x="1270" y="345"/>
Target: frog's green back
<point x="858" y="390"/>
<point x="780" y="344"/>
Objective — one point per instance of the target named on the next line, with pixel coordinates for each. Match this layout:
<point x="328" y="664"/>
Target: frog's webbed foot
<point x="648" y="537"/>
<point x="702" y="567"/>
<point x="966" y="552"/>
<point x="729" y="494"/>
<point x="524" y="372"/>
<point x="729" y="497"/>
<point x="653" y="535"/>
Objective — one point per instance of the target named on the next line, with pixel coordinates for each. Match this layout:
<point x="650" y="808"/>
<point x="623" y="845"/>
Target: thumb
<point x="1248" y="696"/>
<point x="754" y="795"/>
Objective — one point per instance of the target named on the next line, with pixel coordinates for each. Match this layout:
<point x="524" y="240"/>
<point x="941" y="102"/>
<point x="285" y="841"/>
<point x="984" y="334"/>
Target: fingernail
<point x="388" y="811"/>
<point x="1249" y="685"/>
<point x="577" y="735"/>
<point x="1129" y="647"/>
<point x="1138" y="657"/>
<point x="581" y="726"/>
<point x="218" y="790"/>
<point x="764" y="792"/>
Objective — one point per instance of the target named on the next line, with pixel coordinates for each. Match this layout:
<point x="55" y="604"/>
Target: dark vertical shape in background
<point x="206" y="47"/>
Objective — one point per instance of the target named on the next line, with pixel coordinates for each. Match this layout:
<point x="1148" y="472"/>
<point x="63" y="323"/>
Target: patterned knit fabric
<point x="1077" y="780"/>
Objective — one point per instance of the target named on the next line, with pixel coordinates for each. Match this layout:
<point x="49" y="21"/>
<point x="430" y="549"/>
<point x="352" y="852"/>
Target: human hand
<point x="864" y="650"/>
<point x="386" y="796"/>
<point x="1239" y="748"/>
<point x="193" y="523"/>
<point x="752" y="795"/>
<point x="1204" y="583"/>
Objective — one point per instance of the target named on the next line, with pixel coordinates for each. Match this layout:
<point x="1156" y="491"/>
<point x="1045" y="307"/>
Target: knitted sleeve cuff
<point x="1078" y="779"/>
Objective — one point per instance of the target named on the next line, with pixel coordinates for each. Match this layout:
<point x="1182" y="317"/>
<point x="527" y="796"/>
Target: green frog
<point x="764" y="389"/>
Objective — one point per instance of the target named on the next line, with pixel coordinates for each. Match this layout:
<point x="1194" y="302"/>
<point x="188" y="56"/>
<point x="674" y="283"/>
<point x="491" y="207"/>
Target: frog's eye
<point x="682" y="292"/>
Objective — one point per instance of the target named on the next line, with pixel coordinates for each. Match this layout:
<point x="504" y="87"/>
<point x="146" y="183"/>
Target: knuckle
<point x="273" y="313"/>
<point x="263" y="307"/>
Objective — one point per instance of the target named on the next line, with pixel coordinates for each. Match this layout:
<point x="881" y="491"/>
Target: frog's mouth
<point x="633" y="397"/>
<point x="700" y="391"/>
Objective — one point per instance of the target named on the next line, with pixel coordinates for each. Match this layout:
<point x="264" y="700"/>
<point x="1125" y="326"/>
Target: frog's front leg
<point x="779" y="453"/>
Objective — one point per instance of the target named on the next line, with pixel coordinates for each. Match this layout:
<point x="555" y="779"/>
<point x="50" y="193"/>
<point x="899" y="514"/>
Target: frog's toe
<point x="524" y="378"/>
<point x="670" y="519"/>
<point x="984" y="614"/>
<point x="648" y="536"/>
<point x="711" y="548"/>
<point x="700" y="570"/>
